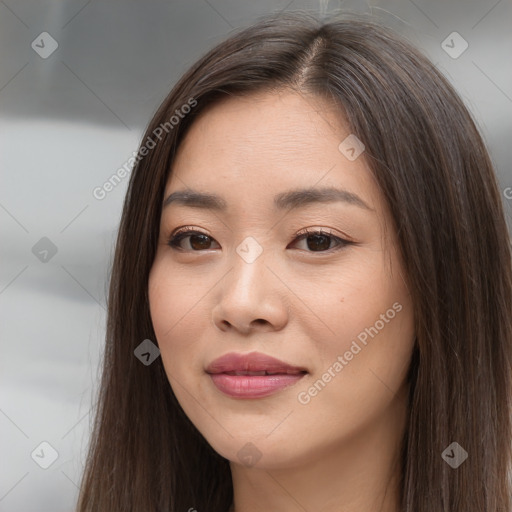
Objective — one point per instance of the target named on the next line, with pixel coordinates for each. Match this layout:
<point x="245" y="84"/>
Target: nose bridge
<point x="247" y="298"/>
<point x="248" y="261"/>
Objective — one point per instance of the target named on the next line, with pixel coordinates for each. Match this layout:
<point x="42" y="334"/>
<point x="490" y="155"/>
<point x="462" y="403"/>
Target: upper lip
<point x="252" y="362"/>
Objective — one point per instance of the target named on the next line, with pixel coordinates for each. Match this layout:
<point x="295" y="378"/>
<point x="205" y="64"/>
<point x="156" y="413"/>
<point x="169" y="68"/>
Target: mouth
<point x="263" y="372"/>
<point x="252" y="375"/>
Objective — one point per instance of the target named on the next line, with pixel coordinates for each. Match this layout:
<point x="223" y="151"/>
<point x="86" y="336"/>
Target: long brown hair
<point x="428" y="158"/>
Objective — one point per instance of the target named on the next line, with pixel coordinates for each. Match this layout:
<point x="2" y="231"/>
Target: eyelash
<point x="182" y="233"/>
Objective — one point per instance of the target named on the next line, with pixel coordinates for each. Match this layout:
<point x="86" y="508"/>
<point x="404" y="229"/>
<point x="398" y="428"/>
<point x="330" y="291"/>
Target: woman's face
<point x="254" y="277"/>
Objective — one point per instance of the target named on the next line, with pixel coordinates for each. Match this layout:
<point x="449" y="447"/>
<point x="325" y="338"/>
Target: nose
<point x="250" y="298"/>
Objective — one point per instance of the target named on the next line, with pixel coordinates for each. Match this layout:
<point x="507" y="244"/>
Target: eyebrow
<point x="292" y="199"/>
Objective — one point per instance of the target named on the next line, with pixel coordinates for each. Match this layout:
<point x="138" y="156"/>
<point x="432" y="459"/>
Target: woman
<point x="313" y="237"/>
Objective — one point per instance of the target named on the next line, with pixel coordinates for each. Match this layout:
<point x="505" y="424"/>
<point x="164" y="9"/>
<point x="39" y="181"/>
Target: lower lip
<point x="253" y="386"/>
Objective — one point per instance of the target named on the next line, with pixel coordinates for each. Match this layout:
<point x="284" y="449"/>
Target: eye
<point x="320" y="240"/>
<point x="197" y="240"/>
<point x="316" y="240"/>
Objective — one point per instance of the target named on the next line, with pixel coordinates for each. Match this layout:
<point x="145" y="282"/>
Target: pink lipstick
<point x="253" y="375"/>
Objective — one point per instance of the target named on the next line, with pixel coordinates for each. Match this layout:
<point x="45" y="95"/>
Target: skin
<point x="295" y="302"/>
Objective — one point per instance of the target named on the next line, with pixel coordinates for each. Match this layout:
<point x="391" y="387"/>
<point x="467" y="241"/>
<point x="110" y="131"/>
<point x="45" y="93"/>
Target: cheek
<point x="362" y="376"/>
<point x="173" y="300"/>
<point x="353" y="301"/>
<point x="179" y="320"/>
<point x="366" y="359"/>
<point x="167" y="307"/>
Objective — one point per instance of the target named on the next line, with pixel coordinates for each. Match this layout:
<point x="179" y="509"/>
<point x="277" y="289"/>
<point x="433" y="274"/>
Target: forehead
<point x="263" y="125"/>
<point x="267" y="142"/>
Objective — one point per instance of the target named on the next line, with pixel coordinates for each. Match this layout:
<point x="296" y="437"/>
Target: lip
<point x="240" y="375"/>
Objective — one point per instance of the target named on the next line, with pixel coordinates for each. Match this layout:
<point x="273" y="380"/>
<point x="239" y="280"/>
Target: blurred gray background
<point x="79" y="81"/>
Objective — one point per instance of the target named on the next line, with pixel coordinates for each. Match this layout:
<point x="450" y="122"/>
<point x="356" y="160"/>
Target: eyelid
<point x="341" y="241"/>
<point x="319" y="230"/>
<point x="186" y="231"/>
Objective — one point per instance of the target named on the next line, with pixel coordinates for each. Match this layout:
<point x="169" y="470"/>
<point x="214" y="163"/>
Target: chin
<point x="258" y="451"/>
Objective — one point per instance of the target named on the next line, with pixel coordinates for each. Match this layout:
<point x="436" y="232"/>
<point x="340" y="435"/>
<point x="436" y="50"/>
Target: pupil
<point x="316" y="245"/>
<point x="204" y="242"/>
